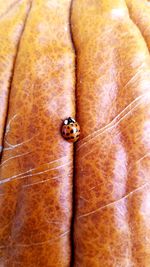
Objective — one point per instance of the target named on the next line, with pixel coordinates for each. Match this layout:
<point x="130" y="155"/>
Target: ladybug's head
<point x="69" y="120"/>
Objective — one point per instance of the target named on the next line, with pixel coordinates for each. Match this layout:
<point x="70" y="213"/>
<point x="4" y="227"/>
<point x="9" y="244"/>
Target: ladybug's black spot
<point x="67" y="133"/>
<point x="72" y="137"/>
<point x="76" y="124"/>
<point x="71" y="131"/>
<point x="63" y="132"/>
<point x="68" y="127"/>
<point x="77" y="135"/>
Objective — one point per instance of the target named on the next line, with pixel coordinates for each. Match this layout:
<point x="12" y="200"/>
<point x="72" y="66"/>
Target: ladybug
<point x="70" y="130"/>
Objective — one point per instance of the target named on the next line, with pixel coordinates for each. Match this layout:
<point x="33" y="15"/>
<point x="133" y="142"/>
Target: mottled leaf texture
<point x="37" y="163"/>
<point x="12" y="19"/>
<point x="88" y="204"/>
<point x="112" y="165"/>
<point x="140" y="13"/>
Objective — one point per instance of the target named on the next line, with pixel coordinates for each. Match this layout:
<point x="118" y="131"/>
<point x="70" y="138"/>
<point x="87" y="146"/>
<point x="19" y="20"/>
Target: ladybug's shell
<point x="71" y="132"/>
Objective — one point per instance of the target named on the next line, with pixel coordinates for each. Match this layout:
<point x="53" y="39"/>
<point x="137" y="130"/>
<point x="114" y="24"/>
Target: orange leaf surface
<point x="12" y="19"/>
<point x="112" y="218"/>
<point x="140" y="13"/>
<point x="87" y="58"/>
<point x="37" y="163"/>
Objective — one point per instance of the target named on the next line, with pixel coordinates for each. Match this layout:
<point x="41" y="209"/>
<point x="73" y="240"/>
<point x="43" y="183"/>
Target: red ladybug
<point x="70" y="130"/>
